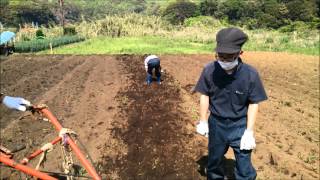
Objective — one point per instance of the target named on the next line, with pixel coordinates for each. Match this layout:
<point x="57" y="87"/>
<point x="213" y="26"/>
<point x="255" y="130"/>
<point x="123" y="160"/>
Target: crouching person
<point x="152" y="62"/>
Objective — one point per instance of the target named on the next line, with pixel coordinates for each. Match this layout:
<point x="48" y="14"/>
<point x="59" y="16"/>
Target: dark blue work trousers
<point x="154" y="64"/>
<point x="222" y="134"/>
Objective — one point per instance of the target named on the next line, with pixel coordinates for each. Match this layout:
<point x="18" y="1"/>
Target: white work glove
<point x="17" y="103"/>
<point x="203" y="128"/>
<point x="247" y="140"/>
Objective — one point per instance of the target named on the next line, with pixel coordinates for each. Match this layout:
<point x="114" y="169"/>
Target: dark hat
<point x="230" y="40"/>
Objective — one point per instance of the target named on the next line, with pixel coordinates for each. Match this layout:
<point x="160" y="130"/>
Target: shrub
<point x="287" y="28"/>
<point x="301" y="10"/>
<point x="252" y="24"/>
<point x="69" y="30"/>
<point x="208" y="7"/>
<point x="269" y="40"/>
<point x="297" y="26"/>
<point x="284" y="40"/>
<point x="201" y="21"/>
<point x="178" y="11"/>
<point x="40" y="34"/>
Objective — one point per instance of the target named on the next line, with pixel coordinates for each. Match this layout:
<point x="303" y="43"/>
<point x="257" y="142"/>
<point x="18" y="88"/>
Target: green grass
<point x="134" y="45"/>
<point x="296" y="42"/>
<point x="162" y="45"/>
<point x="287" y="47"/>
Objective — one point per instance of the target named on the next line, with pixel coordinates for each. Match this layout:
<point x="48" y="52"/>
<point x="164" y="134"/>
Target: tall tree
<point x="61" y="5"/>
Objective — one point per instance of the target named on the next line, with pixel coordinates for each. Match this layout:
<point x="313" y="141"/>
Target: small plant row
<point x="43" y="44"/>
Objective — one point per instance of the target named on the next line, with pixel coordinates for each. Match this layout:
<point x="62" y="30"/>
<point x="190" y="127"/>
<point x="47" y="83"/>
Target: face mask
<point x="228" y="65"/>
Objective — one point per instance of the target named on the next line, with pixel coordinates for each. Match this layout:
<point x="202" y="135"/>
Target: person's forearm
<point x="146" y="66"/>
<point x="252" y="114"/>
<point x="204" y="106"/>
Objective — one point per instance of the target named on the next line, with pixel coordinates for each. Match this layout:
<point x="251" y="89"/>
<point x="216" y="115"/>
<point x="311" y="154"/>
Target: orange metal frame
<point x="22" y="166"/>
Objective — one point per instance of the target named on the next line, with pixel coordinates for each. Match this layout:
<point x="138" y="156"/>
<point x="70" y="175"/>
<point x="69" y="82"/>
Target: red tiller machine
<point x="64" y="137"/>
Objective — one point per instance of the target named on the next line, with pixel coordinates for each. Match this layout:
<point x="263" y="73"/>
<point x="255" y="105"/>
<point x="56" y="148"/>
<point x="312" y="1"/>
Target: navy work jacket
<point x="231" y="94"/>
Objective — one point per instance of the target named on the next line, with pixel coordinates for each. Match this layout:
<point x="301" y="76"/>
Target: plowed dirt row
<point x="155" y="131"/>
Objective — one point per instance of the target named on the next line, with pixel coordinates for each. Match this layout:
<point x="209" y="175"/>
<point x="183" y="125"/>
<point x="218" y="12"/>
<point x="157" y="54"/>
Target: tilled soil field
<point x="135" y="131"/>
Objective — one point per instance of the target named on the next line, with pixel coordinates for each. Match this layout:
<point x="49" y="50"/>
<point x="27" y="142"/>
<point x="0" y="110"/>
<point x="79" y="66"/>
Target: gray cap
<point x="230" y="40"/>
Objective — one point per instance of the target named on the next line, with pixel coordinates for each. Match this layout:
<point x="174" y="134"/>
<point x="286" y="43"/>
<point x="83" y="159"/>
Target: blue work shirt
<point x="231" y="94"/>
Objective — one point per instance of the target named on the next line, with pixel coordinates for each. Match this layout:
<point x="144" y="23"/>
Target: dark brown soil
<point x="135" y="131"/>
<point x="155" y="132"/>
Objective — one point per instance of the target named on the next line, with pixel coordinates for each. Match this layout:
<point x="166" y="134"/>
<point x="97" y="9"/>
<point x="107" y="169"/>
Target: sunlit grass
<point x="163" y="45"/>
<point x="133" y="45"/>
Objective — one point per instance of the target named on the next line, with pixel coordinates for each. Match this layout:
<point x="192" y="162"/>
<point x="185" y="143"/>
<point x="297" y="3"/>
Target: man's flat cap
<point x="230" y="40"/>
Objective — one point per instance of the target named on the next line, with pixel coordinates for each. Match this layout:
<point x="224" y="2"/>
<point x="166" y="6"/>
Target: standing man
<point x="231" y="90"/>
<point x="150" y="63"/>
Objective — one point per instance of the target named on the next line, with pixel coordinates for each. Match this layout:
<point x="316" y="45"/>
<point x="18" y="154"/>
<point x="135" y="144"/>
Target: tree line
<point x="253" y="14"/>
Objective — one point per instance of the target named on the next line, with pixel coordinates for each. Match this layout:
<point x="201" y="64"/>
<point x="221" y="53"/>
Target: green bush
<point x="252" y="24"/>
<point x="301" y="10"/>
<point x="287" y="28"/>
<point x="208" y="7"/>
<point x="269" y="40"/>
<point x="201" y="21"/>
<point x="315" y="24"/>
<point x="178" y="11"/>
<point x="40" y="34"/>
<point x="42" y="44"/>
<point x="298" y="26"/>
<point x="69" y="30"/>
<point x="284" y="40"/>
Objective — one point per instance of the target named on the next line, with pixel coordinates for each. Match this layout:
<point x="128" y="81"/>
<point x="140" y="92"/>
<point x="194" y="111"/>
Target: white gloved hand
<point x="17" y="103"/>
<point x="203" y="128"/>
<point x="247" y="140"/>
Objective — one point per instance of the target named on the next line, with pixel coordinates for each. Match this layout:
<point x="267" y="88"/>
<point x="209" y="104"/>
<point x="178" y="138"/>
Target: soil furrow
<point x="155" y="131"/>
